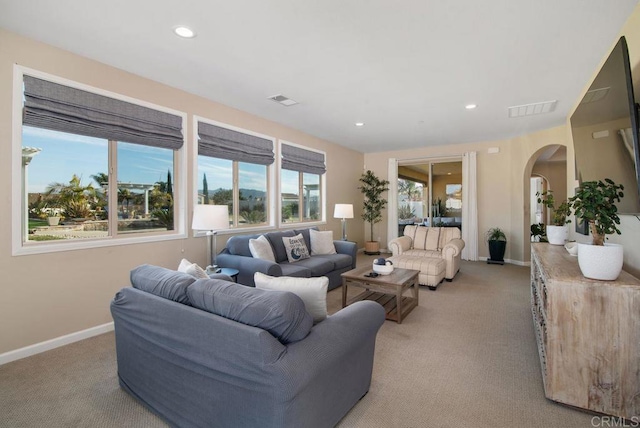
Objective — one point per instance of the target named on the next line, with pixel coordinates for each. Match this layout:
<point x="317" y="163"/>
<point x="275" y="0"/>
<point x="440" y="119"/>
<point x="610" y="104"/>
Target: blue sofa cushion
<point x="295" y="269"/>
<point x="275" y="238"/>
<point x="239" y="245"/>
<point x="317" y="265"/>
<point x="281" y="313"/>
<point x="339" y="261"/>
<point x="162" y="282"/>
<point x="306" y="235"/>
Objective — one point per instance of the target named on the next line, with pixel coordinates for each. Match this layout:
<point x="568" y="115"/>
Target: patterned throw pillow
<point x="296" y="248"/>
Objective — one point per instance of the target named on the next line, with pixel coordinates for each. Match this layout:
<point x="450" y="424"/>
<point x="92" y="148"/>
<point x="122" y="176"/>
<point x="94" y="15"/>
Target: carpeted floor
<point x="466" y="357"/>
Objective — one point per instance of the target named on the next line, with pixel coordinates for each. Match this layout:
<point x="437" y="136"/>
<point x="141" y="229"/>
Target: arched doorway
<point x="550" y="164"/>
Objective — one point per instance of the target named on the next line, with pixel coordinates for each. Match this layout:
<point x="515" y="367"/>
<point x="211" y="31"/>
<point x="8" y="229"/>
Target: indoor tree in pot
<point x="595" y="204"/>
<point x="497" y="241"/>
<point x="557" y="231"/>
<point x="372" y="187"/>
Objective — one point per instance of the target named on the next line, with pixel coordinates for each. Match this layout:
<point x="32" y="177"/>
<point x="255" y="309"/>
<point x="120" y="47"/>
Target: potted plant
<point x="538" y="233"/>
<point x="372" y="187"/>
<point x="497" y="241"/>
<point x="557" y="231"/>
<point x="595" y="204"/>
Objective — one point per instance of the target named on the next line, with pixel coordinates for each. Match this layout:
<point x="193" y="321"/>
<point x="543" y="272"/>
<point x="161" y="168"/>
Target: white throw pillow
<point x="322" y="242"/>
<point x="296" y="248"/>
<point x="192" y="269"/>
<point x="261" y="249"/>
<point x="312" y="291"/>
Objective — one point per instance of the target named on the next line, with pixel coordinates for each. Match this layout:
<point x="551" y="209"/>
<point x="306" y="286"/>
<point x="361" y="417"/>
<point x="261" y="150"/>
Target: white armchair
<point x="431" y="242"/>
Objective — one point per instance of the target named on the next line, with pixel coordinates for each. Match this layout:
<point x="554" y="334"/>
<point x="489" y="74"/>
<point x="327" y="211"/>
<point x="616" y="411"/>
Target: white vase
<point x="556" y="235"/>
<point x="53" y="221"/>
<point x="600" y="262"/>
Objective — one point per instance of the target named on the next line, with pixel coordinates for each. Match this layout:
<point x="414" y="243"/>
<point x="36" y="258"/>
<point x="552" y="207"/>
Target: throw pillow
<point x="192" y="269"/>
<point x="281" y="314"/>
<point x="261" y="249"/>
<point x="296" y="248"/>
<point x="312" y="291"/>
<point x="322" y="242"/>
<point x="162" y="282"/>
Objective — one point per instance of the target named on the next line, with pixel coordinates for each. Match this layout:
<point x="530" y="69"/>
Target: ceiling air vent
<point x="531" y="109"/>
<point x="595" y="95"/>
<point x="283" y="100"/>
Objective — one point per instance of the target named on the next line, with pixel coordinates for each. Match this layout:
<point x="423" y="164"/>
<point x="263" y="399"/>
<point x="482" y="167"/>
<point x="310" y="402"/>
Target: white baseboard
<point x="47" y="345"/>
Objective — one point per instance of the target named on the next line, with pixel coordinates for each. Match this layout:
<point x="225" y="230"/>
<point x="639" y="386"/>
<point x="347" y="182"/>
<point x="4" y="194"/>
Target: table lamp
<point x="211" y="218"/>
<point x="343" y="211"/>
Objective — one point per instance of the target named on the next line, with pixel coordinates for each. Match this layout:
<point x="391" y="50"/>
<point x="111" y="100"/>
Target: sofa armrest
<point x="247" y="266"/>
<point x="347" y="247"/>
<point x="341" y="335"/>
<point x="452" y="248"/>
<point x="399" y="245"/>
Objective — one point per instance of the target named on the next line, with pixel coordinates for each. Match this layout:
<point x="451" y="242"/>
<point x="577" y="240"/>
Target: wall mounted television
<point x="605" y="130"/>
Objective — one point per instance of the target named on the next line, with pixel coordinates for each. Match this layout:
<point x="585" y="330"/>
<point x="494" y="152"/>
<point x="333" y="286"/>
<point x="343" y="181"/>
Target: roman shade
<point x="223" y="143"/>
<point x="299" y="159"/>
<point x="62" y="108"/>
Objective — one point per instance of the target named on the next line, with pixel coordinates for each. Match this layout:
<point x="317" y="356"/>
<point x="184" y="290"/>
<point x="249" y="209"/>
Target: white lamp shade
<point x="343" y="211"/>
<point x="210" y="217"/>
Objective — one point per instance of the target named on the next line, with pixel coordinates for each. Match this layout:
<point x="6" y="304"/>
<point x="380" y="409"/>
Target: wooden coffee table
<point x="387" y="290"/>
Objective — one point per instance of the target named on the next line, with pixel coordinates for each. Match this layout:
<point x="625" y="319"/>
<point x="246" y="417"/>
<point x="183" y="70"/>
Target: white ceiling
<point x="404" y="68"/>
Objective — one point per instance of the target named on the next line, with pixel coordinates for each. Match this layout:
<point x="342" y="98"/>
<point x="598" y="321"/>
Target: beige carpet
<point x="466" y="357"/>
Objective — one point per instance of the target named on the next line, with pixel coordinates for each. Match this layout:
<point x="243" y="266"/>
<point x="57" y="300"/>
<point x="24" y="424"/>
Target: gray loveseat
<point x="208" y="352"/>
<point x="237" y="255"/>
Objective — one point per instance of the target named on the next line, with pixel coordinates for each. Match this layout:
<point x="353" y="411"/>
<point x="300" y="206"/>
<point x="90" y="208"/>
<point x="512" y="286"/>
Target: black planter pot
<point x="496" y="251"/>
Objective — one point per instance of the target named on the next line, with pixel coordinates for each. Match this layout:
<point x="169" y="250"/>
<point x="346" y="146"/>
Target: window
<point x="301" y="179"/>
<point x="94" y="167"/>
<point x="454" y="197"/>
<point x="233" y="170"/>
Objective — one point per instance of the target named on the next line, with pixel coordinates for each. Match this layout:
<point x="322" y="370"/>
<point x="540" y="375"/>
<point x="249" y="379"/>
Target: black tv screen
<point x="605" y="130"/>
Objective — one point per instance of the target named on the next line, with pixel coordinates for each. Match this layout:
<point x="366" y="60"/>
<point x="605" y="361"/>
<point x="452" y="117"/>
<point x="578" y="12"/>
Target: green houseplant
<point x="372" y="188"/>
<point x="557" y="231"/>
<point x="497" y="241"/>
<point x="595" y="204"/>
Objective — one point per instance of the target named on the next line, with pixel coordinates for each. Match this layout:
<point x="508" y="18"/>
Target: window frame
<point x="18" y="229"/>
<point x="271" y="175"/>
<point x="323" y="190"/>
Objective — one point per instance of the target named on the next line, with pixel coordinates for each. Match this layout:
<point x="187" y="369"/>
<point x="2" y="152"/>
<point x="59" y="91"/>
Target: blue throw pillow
<point x="281" y="313"/>
<point x="162" y="282"/>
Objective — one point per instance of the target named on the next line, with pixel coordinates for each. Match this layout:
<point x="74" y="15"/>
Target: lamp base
<point x="212" y="269"/>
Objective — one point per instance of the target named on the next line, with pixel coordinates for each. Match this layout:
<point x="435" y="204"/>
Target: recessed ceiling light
<point x="359" y="123"/>
<point x="185" y="32"/>
<point x="470" y="106"/>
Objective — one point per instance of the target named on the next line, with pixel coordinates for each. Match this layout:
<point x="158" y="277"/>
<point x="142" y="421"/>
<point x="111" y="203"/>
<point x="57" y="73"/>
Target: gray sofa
<point x="259" y="362"/>
<point x="237" y="255"/>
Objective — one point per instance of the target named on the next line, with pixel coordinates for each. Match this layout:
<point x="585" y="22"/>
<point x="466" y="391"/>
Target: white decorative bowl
<point x="383" y="269"/>
<point x="572" y="248"/>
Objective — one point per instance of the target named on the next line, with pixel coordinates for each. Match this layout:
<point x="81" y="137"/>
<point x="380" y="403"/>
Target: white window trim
<point x="271" y="172"/>
<point x="323" y="186"/>
<point x="18" y="248"/>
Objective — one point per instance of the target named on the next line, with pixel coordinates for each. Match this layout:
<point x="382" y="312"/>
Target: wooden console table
<point x="588" y="334"/>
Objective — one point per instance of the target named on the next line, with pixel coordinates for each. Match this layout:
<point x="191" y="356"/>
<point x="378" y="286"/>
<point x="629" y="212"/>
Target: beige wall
<point x="500" y="182"/>
<point x="49" y="295"/>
